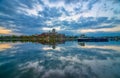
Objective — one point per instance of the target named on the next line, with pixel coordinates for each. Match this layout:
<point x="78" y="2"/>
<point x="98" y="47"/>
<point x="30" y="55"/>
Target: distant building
<point x="53" y="30"/>
<point x="52" y="34"/>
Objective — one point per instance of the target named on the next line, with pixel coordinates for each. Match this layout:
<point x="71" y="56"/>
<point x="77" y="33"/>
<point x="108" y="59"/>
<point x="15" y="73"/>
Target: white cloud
<point x="61" y="4"/>
<point x="58" y="28"/>
<point x="113" y="29"/>
<point x="102" y="9"/>
<point x="34" y="11"/>
<point x="69" y="18"/>
<point x="5" y="15"/>
<point x="5" y="31"/>
<point x="49" y="23"/>
<point x="98" y="10"/>
<point x="55" y="4"/>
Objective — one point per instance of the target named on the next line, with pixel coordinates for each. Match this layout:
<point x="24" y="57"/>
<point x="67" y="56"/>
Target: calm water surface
<point x="69" y="60"/>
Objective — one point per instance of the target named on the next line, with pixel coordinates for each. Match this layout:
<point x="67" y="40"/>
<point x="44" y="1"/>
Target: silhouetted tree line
<point x="35" y="38"/>
<point x="51" y="38"/>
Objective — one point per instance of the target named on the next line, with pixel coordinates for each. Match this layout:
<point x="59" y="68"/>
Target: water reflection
<point x="4" y="46"/>
<point x="68" y="59"/>
<point x="100" y="46"/>
<point x="52" y="44"/>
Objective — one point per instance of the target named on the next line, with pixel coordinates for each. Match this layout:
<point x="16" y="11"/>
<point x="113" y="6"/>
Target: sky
<point x="70" y="17"/>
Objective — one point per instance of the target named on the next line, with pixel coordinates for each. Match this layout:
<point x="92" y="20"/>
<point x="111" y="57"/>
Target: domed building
<point x="52" y="34"/>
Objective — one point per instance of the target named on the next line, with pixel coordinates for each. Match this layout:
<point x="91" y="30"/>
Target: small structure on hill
<point x="52" y="35"/>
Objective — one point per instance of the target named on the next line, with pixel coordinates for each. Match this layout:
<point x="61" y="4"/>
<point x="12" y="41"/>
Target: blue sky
<point x="72" y="17"/>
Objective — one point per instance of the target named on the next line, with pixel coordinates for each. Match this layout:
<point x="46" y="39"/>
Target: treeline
<point x="48" y="39"/>
<point x="22" y="37"/>
<point x="35" y="38"/>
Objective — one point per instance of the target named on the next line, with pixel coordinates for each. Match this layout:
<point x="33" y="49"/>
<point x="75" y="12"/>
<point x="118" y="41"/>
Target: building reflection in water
<point x="81" y="43"/>
<point x="52" y="44"/>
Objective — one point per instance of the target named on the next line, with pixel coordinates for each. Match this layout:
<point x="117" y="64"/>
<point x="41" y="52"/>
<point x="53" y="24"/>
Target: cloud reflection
<point x="50" y="48"/>
<point x="4" y="46"/>
<point x="85" y="69"/>
<point x="112" y="47"/>
<point x="41" y="61"/>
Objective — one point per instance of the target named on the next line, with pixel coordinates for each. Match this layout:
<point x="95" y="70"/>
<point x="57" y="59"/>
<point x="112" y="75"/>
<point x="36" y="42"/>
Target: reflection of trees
<point x="51" y="42"/>
<point x="81" y="43"/>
